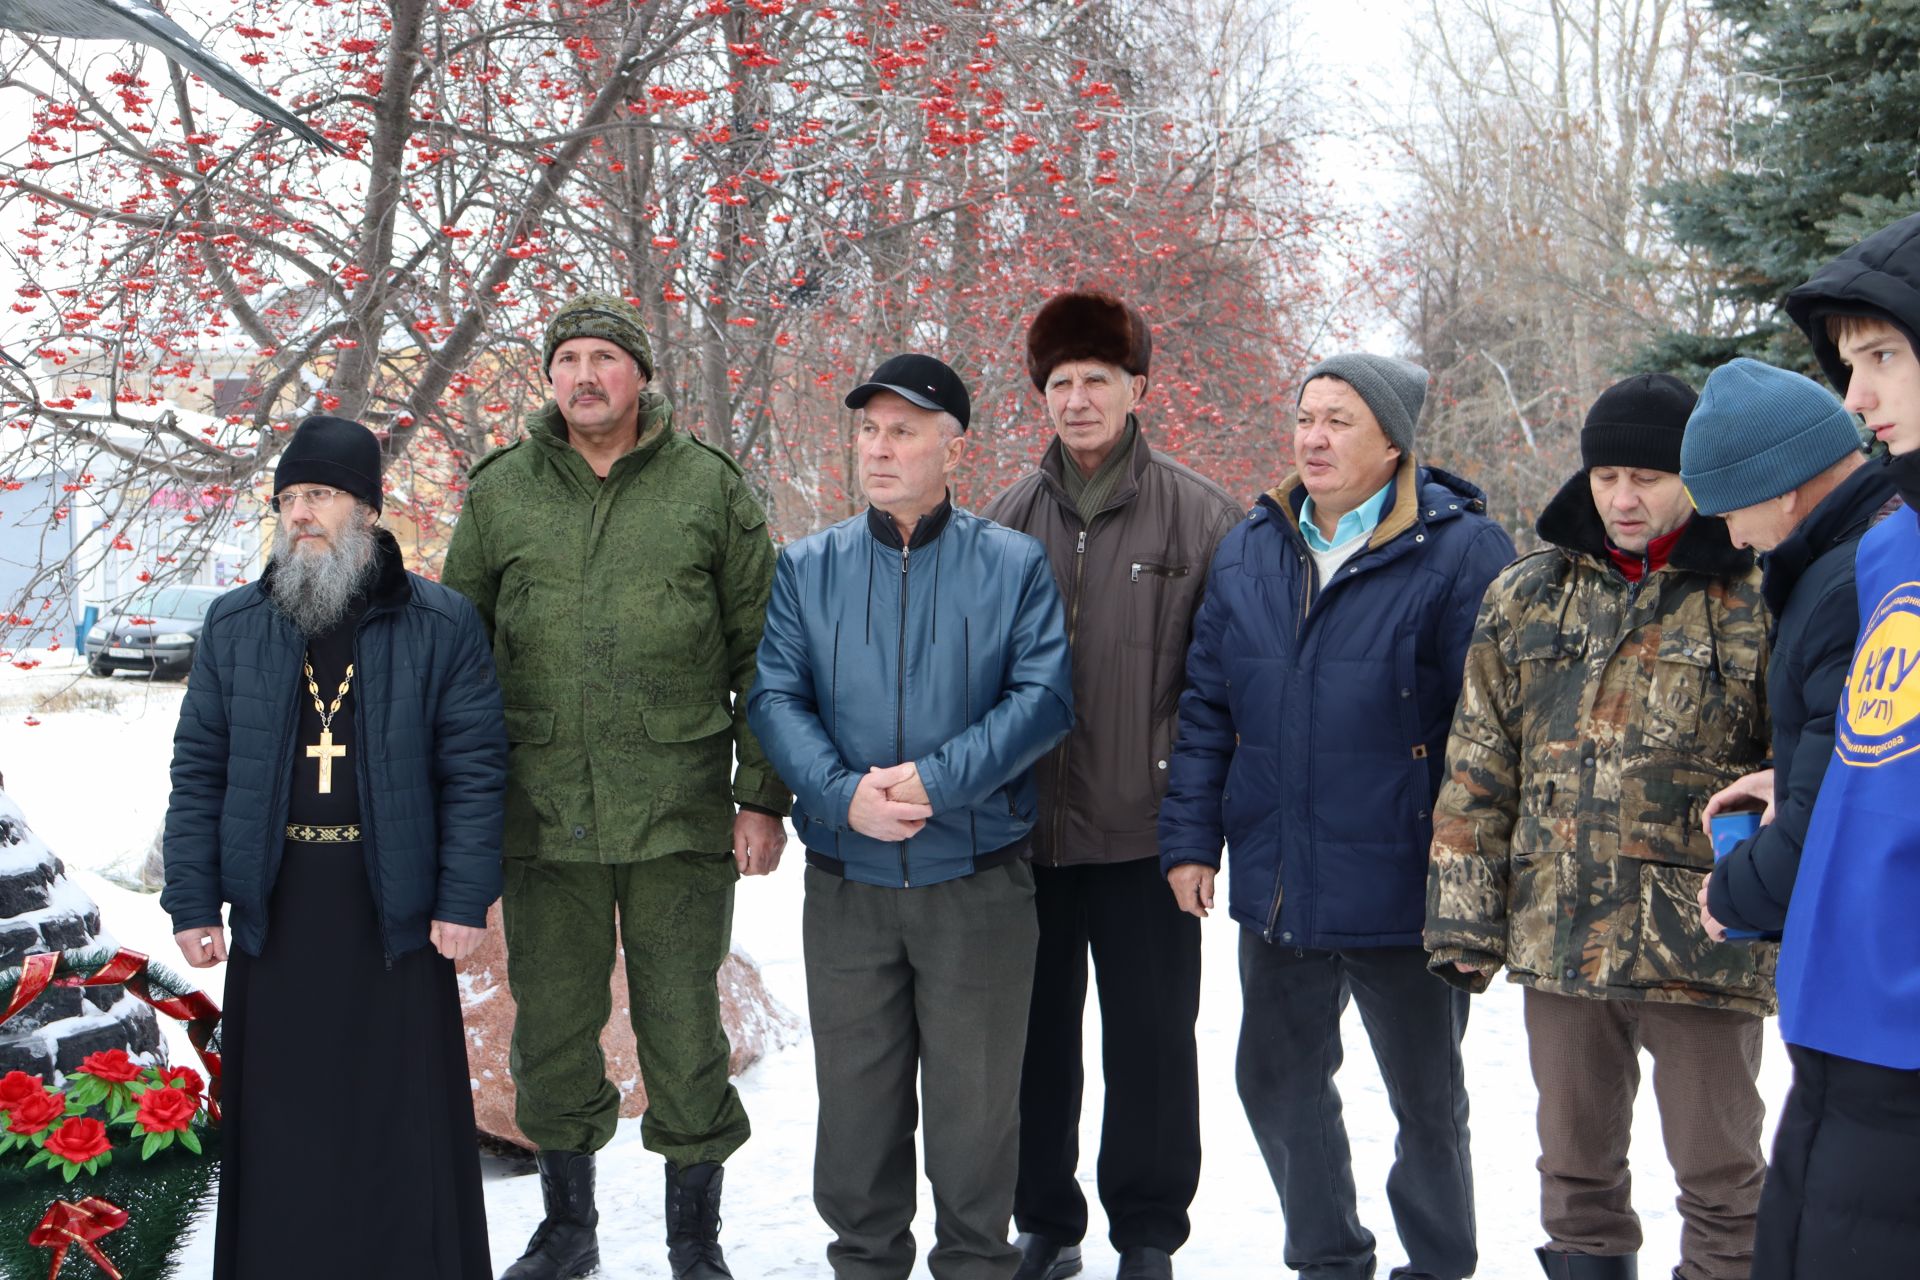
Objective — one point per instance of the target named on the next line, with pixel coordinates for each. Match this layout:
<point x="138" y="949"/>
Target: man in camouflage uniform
<point x="1613" y="685"/>
<point x="622" y="568"/>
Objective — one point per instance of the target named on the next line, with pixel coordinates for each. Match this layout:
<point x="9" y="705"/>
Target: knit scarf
<point x="1090" y="493"/>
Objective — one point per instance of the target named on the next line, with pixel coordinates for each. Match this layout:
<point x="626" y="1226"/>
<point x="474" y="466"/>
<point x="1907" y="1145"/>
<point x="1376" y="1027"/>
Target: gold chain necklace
<point x="326" y="751"/>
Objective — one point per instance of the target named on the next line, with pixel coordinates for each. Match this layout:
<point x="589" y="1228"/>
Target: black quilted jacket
<point x="431" y="771"/>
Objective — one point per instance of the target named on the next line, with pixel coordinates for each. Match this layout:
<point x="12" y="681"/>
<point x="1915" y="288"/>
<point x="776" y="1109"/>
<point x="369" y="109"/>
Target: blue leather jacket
<point x="950" y="652"/>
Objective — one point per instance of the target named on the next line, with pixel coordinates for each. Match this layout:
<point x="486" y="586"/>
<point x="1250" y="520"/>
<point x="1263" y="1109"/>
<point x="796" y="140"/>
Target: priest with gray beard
<point x="338" y="783"/>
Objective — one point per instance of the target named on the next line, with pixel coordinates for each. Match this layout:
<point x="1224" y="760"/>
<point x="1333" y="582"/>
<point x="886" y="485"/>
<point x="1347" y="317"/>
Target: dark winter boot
<point x="1588" y="1266"/>
<point x="693" y="1223"/>
<point x="564" y="1244"/>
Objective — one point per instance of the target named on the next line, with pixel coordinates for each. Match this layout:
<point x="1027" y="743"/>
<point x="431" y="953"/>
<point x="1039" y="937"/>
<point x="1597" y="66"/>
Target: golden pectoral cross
<point x="326" y="753"/>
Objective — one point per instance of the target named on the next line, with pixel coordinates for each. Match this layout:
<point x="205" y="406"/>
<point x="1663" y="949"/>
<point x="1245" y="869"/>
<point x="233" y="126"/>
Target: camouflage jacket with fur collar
<point x="1596" y="718"/>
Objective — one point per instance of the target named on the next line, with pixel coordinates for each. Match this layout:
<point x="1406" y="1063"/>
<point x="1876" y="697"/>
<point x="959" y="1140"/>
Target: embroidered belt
<point x="322" y="835"/>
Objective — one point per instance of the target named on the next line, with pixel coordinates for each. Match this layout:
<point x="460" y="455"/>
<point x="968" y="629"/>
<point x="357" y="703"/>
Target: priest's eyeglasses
<point x="316" y="498"/>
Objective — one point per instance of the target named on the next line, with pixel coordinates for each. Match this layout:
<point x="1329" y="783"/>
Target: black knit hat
<point x="335" y="452"/>
<point x="1638" y="423"/>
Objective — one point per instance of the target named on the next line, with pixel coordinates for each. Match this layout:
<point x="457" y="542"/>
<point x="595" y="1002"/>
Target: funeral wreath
<point x="121" y="1148"/>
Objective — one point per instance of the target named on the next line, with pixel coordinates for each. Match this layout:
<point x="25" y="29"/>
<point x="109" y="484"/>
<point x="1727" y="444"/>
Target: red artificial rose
<point x="185" y="1077"/>
<point x="166" y="1110"/>
<point x="111" y="1065"/>
<point x="79" y="1140"/>
<point x="17" y="1086"/>
<point x="35" y="1112"/>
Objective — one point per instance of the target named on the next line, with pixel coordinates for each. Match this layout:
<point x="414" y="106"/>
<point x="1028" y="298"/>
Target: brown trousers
<point x="1585" y="1057"/>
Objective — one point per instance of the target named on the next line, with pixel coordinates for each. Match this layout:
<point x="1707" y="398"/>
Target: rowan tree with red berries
<point x="789" y="189"/>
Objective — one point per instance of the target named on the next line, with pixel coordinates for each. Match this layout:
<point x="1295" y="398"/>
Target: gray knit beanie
<point x="1393" y="389"/>
<point x="1759" y="431"/>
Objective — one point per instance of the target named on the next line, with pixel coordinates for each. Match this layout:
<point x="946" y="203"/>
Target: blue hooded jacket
<point x="1313" y="730"/>
<point x="950" y="652"/>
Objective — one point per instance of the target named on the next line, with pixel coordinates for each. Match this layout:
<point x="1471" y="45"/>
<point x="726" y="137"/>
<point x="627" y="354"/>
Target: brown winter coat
<point x="1131" y="584"/>
<point x="1595" y="721"/>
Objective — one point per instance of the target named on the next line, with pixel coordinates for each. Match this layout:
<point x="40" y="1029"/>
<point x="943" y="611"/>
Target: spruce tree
<point x="1829" y="152"/>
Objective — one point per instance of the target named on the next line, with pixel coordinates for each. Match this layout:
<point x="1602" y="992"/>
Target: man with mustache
<point x="358" y="854"/>
<point x="622" y="568"/>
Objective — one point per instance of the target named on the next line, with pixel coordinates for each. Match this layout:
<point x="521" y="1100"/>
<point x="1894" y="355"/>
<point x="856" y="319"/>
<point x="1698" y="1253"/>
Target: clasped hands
<point x="890" y="804"/>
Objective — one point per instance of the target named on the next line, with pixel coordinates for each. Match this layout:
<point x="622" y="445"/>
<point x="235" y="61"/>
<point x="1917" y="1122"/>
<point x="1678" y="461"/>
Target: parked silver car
<point x="155" y="634"/>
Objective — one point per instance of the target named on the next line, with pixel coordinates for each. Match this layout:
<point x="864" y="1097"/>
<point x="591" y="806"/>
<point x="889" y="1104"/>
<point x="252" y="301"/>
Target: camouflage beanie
<point x="599" y="315"/>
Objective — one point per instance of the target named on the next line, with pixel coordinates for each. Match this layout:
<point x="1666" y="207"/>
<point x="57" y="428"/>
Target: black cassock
<point x="349" y="1139"/>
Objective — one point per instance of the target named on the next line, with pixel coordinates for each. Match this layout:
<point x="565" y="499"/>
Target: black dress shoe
<point x="1044" y="1259"/>
<point x="1142" y="1262"/>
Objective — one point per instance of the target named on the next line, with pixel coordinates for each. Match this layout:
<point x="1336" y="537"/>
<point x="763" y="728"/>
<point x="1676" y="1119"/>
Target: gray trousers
<point x="933" y="982"/>
<point x="1586" y="1062"/>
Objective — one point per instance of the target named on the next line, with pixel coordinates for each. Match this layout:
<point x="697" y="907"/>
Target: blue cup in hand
<point x="1729" y="829"/>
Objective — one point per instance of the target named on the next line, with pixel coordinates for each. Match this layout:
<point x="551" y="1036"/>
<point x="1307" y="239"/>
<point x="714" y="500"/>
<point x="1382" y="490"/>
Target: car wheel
<point x="95" y="667"/>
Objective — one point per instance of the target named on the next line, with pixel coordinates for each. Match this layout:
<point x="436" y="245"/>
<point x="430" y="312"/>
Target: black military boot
<point x="564" y="1245"/>
<point x="1588" y="1266"/>
<point x="693" y="1223"/>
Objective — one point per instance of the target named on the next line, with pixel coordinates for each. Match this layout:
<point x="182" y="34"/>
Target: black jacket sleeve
<point x="1751" y="886"/>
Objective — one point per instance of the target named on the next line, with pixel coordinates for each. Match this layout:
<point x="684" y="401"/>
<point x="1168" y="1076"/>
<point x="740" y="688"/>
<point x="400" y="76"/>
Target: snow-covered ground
<point x="92" y="780"/>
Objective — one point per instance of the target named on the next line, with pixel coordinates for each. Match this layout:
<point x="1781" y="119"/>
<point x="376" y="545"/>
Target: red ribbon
<point x="36" y="974"/>
<point x="69" y="1224"/>
<point x="129" y="968"/>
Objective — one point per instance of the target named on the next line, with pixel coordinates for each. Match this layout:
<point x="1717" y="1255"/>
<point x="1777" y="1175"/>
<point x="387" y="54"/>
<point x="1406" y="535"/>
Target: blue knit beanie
<point x="1759" y="431"/>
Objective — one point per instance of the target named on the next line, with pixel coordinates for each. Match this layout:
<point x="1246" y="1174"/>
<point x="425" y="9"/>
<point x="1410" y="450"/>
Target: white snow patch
<point x="28" y="855"/>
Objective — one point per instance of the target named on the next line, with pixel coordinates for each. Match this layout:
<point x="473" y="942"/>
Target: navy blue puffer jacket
<point x="1314" y="726"/>
<point x="1809" y="587"/>
<point x="950" y="652"/>
<point x="432" y="766"/>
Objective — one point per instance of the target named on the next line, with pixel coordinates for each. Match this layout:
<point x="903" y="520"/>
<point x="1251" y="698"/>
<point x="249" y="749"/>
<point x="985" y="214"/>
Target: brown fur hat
<point x="1087" y="326"/>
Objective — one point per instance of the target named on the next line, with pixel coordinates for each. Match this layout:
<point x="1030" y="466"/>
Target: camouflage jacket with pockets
<point x="625" y="615"/>
<point x="1596" y="718"/>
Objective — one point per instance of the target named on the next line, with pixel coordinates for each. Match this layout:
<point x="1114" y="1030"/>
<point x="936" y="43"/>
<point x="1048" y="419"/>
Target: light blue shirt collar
<point x="1357" y="523"/>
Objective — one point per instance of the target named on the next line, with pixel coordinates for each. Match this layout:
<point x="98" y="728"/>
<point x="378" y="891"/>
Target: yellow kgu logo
<point x="1880" y="709"/>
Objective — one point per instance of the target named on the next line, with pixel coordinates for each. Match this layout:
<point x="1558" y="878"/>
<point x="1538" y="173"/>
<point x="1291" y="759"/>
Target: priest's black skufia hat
<point x="336" y="452"/>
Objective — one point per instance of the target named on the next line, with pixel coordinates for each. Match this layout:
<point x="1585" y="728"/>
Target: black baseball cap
<point x="920" y="380"/>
